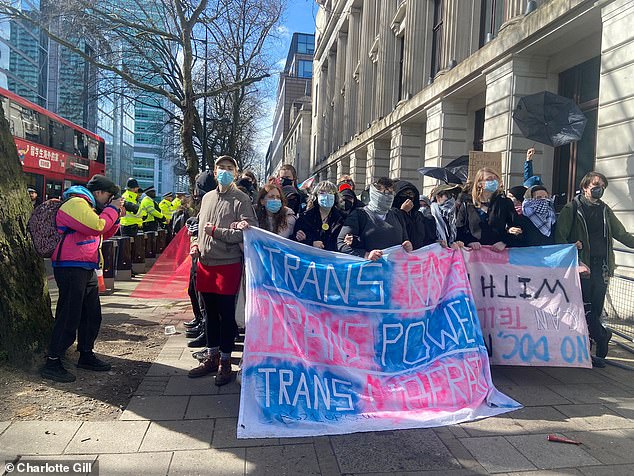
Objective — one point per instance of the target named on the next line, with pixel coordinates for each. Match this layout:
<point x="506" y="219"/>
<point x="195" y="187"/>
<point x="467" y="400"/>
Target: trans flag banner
<point x="530" y="306"/>
<point x="336" y="344"/>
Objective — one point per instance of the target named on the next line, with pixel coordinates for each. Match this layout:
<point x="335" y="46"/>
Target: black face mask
<point x="347" y="205"/>
<point x="596" y="192"/>
<point x="286" y="181"/>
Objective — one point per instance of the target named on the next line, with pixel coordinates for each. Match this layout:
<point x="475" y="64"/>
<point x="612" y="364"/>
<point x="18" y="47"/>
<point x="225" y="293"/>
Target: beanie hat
<point x="101" y="182"/>
<point x="518" y="192"/>
<point x="345" y="186"/>
<point x="132" y="183"/>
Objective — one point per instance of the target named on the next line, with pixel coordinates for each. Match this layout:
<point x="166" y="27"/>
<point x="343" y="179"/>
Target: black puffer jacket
<point x="491" y="227"/>
<point x="420" y="230"/>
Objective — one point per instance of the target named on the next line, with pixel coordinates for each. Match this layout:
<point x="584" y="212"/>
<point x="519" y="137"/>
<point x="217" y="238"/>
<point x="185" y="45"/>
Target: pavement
<point x="174" y="425"/>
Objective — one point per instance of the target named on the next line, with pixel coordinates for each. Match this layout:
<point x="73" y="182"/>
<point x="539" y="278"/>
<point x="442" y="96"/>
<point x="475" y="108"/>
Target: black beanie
<point x="132" y="183"/>
<point x="518" y="192"/>
<point x="100" y="182"/>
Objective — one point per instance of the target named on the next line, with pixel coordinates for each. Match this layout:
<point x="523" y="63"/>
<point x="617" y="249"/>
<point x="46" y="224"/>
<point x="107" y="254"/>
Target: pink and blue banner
<point x="530" y="307"/>
<point x="336" y="344"/>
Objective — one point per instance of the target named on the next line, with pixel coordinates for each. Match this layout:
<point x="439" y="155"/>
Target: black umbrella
<point x="459" y="167"/>
<point x="440" y="173"/>
<point x="549" y="119"/>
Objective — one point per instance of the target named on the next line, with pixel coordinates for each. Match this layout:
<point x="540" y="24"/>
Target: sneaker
<point x="206" y="367"/>
<point x="89" y="361"/>
<point x="224" y="375"/>
<point x="201" y="354"/>
<point x="200" y="341"/>
<point x="194" y="331"/>
<point x="54" y="370"/>
<point x="193" y="323"/>
<point x="602" y="347"/>
<point x="598" y="362"/>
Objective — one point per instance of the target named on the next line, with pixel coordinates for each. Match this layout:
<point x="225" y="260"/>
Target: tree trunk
<point x="25" y="305"/>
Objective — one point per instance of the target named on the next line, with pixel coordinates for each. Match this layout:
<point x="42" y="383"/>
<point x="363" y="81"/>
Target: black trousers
<point x="78" y="312"/>
<point x="198" y="306"/>
<point x="150" y="226"/>
<point x="221" y="328"/>
<point x="129" y="230"/>
<point x="593" y="290"/>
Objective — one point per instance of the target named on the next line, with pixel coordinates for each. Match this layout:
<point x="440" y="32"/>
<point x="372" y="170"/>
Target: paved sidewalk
<point x="175" y="425"/>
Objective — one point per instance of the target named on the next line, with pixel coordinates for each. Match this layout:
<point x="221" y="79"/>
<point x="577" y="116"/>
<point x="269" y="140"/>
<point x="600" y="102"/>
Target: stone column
<point x="322" y="110"/>
<point x="366" y="78"/>
<point x="460" y="18"/>
<point x="339" y="90"/>
<point x="332" y="173"/>
<point x="358" y="168"/>
<point x="406" y="154"/>
<point x="506" y="83"/>
<point x="419" y="19"/>
<point x="616" y="116"/>
<point x="378" y="160"/>
<point x="343" y="167"/>
<point x="388" y="61"/>
<point x="329" y="103"/>
<point x="350" y="111"/>
<point x="445" y="136"/>
<point x="513" y="8"/>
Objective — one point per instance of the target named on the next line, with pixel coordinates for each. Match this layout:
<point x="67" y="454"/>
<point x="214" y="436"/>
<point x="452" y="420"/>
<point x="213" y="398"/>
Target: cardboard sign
<point x="478" y="160"/>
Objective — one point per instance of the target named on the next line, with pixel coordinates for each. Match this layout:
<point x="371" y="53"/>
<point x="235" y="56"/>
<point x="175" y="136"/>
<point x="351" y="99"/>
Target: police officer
<point x="178" y="201"/>
<point x="167" y="206"/>
<point x="132" y="220"/>
<point x="152" y="215"/>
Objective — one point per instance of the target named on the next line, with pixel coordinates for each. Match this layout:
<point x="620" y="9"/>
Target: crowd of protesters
<point x="330" y="217"/>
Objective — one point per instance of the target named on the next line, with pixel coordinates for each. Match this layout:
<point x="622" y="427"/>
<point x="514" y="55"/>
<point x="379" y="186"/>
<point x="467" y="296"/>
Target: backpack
<point x="43" y="227"/>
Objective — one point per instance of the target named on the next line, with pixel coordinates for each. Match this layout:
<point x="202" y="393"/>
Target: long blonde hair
<point x="476" y="191"/>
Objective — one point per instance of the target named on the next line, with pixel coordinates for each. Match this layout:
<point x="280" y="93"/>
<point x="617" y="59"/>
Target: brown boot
<point x="224" y="375"/>
<point x="206" y="367"/>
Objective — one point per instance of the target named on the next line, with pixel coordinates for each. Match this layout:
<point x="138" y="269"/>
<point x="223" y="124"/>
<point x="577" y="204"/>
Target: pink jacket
<point x="84" y="230"/>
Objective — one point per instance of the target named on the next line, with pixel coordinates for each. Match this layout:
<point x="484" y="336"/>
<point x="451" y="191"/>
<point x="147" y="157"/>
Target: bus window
<point x="81" y="145"/>
<point x="16" y="120"/>
<point x="31" y="125"/>
<point x="93" y="148"/>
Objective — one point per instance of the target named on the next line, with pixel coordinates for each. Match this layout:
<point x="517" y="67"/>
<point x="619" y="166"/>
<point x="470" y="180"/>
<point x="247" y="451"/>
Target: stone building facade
<point x="401" y="84"/>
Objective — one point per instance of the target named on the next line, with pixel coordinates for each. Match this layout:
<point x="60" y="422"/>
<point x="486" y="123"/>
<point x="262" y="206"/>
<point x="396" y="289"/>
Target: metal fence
<point x="619" y="306"/>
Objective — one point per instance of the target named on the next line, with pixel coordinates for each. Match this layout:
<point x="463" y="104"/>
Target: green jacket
<point x="149" y="208"/>
<point x="571" y="230"/>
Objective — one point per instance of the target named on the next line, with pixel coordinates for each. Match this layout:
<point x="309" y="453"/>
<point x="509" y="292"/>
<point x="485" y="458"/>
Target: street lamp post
<point x="205" y="104"/>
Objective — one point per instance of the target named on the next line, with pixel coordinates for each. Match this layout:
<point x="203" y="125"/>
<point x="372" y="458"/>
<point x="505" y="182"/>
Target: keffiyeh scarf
<point x="540" y="211"/>
<point x="445" y="216"/>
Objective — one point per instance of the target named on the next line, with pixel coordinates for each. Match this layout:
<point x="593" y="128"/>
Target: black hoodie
<point x="420" y="230"/>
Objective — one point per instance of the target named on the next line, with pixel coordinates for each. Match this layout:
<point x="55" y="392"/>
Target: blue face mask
<point x="225" y="177"/>
<point x="273" y="205"/>
<point x="491" y="185"/>
<point x="326" y="200"/>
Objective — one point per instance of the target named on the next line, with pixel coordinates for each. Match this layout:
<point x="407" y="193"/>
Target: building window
<point x="400" y="43"/>
<point x="305" y="69"/>
<point x="306" y="44"/>
<point x="492" y="16"/>
<point x="436" y="42"/>
<point x="478" y="130"/>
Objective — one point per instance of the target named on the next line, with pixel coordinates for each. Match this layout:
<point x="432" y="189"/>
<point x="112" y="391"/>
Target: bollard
<point x="150" y="249"/>
<point x="109" y="253"/>
<point x="161" y="241"/>
<point x="124" y="258"/>
<point x="138" y="254"/>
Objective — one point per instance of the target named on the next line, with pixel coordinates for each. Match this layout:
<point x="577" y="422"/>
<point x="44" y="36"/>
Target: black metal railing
<point x="618" y="311"/>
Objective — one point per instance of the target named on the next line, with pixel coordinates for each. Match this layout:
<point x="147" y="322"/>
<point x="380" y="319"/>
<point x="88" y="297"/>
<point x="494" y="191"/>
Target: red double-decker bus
<point x="54" y="152"/>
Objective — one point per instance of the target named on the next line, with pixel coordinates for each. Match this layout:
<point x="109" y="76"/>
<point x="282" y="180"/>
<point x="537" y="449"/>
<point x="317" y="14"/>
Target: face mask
<point x="273" y="205"/>
<point x="380" y="202"/>
<point x="326" y="200"/>
<point x="347" y="205"/>
<point x="225" y="177"/>
<point x="286" y="181"/>
<point x="596" y="192"/>
<point x="491" y="186"/>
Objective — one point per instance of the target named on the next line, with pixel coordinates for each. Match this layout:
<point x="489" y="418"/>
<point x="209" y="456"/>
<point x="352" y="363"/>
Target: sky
<point x="298" y="17"/>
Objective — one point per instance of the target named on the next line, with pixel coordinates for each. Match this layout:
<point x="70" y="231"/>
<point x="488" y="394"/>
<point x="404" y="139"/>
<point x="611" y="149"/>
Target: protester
<point x="538" y="217"/>
<point x="516" y="194"/>
<point x="272" y="213"/>
<point x="133" y="219"/>
<point x="490" y="218"/>
<point x="591" y="224"/>
<point x="224" y="213"/>
<point x="425" y="206"/>
<point x="421" y="229"/>
<point x="444" y="209"/>
<point x="88" y="215"/>
<point x="152" y="216"/>
<point x="320" y="224"/>
<point x="167" y="207"/>
<point x="530" y="179"/>
<point x="349" y="201"/>
<point x="345" y="180"/>
<point x="287" y="178"/>
<point x="369" y="230"/>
